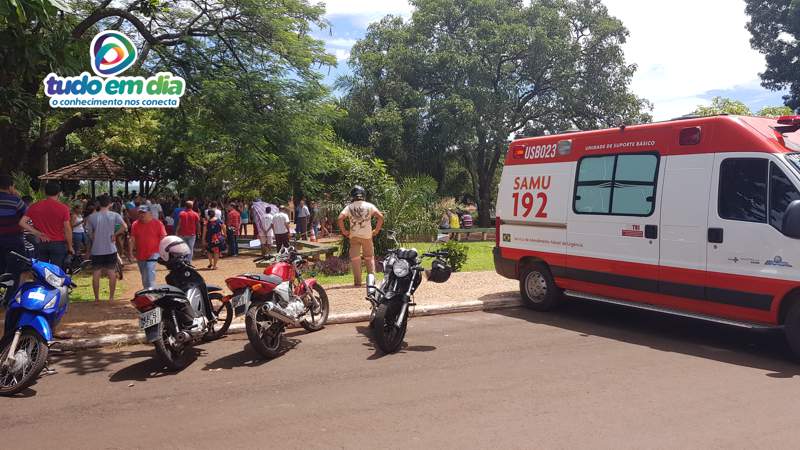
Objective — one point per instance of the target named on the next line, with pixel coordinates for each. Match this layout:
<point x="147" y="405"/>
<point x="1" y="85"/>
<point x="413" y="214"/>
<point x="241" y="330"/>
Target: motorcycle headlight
<point x="53" y="279"/>
<point x="401" y="268"/>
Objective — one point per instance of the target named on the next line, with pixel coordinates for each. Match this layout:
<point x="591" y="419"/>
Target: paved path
<point x="587" y="376"/>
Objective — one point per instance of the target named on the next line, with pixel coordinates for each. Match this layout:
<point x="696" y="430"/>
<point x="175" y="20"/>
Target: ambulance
<point x="698" y="217"/>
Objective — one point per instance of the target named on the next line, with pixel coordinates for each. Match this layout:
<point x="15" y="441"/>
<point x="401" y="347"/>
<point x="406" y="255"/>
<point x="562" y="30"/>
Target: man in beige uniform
<point x="360" y="214"/>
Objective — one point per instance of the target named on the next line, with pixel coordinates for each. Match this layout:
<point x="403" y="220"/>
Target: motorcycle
<point x="37" y="307"/>
<point x="182" y="313"/>
<point x="391" y="301"/>
<point x="278" y="297"/>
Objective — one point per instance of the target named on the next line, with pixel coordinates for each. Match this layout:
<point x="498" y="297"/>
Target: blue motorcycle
<point x="32" y="314"/>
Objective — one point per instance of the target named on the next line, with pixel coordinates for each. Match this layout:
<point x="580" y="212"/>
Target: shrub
<point x="458" y="254"/>
<point x="333" y="265"/>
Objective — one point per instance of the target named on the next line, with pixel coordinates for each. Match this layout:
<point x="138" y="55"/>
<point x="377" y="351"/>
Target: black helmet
<point x="358" y="193"/>
<point x="439" y="272"/>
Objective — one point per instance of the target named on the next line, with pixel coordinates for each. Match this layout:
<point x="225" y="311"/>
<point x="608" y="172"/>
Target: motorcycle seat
<point x="161" y="289"/>
<point x="213" y="288"/>
<point x="271" y="279"/>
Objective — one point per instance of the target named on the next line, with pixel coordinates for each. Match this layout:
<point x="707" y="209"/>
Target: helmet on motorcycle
<point x="172" y="248"/>
<point x="439" y="271"/>
<point x="358" y="193"/>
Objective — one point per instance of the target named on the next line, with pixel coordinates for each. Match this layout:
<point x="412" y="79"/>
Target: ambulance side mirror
<point x="791" y="220"/>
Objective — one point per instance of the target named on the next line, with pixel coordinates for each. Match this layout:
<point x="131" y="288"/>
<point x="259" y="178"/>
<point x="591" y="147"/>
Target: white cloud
<point x="341" y="54"/>
<point x="685" y="48"/>
<point x="367" y="7"/>
<point x="340" y="42"/>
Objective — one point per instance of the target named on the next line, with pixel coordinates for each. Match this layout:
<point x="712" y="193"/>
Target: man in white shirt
<point x="360" y="213"/>
<point x="262" y="220"/>
<point x="280" y="225"/>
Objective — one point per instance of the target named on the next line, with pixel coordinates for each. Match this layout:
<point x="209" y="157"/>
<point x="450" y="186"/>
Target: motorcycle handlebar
<point x="24" y="259"/>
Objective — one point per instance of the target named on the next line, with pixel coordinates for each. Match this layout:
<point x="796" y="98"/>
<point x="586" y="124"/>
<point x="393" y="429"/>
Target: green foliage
<point x="775" y="111"/>
<point x="23" y="185"/>
<point x="722" y="105"/>
<point x="461" y="76"/>
<point x="458" y="254"/>
<point x="775" y="29"/>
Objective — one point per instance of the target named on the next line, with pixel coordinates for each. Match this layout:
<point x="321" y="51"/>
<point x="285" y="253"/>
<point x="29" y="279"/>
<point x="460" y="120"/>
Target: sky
<point x="686" y="51"/>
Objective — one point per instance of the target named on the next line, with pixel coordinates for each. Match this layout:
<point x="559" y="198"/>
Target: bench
<point x="309" y="250"/>
<point x="466" y="232"/>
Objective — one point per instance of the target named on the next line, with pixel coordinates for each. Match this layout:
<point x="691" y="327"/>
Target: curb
<point x="238" y="327"/>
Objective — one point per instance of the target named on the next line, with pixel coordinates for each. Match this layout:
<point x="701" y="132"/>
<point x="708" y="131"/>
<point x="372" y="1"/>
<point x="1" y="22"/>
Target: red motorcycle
<point x="278" y="297"/>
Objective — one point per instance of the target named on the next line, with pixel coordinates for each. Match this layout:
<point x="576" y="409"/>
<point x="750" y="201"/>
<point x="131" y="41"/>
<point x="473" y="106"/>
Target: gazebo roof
<point x="99" y="168"/>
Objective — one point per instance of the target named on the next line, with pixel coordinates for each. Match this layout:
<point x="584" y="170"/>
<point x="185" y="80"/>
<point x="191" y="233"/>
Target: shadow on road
<point x="83" y="362"/>
<point x="759" y="349"/>
<point x="378" y="353"/>
<point x="150" y="368"/>
<point x="249" y="357"/>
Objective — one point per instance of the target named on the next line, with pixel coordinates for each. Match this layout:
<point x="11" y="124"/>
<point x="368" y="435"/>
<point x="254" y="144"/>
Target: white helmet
<point x="172" y="247"/>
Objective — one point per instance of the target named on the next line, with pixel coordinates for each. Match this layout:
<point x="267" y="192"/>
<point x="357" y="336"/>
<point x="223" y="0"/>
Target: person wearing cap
<point x="102" y="228"/>
<point x="146" y="233"/>
<point x="360" y="213"/>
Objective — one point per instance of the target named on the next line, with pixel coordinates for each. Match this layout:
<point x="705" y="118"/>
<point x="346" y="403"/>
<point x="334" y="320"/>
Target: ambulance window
<point x="743" y="189"/>
<point x="781" y="193"/>
<point x="593" y="190"/>
<point x="634" y="185"/>
<point x="616" y="184"/>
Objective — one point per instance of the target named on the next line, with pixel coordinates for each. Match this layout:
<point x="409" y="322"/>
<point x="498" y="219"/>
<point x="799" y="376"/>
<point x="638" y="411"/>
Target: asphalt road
<point x="587" y="376"/>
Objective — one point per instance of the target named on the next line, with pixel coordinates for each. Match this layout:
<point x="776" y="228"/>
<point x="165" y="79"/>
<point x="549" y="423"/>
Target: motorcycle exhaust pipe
<point x="278" y="314"/>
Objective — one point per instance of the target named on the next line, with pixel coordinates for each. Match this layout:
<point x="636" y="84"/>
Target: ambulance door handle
<point x="715" y="235"/>
<point x="651" y="231"/>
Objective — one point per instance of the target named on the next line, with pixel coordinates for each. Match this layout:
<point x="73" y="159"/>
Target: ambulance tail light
<point x="789" y="120"/>
<point x="690" y="136"/>
<point x="518" y="152"/>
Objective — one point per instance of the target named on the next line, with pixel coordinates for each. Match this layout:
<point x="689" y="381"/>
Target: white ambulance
<point x="698" y="217"/>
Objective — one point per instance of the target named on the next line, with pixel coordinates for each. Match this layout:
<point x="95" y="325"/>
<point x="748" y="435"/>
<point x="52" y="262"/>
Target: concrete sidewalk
<point x="119" y="339"/>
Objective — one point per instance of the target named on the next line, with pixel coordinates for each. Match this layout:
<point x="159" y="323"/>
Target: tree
<point x="722" y="105"/>
<point x="775" y="111"/>
<point x="775" y="29"/>
<point x="461" y="76"/>
<point x="260" y="51"/>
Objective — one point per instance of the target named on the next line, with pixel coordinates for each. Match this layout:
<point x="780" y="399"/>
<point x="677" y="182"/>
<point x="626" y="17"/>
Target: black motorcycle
<point x="182" y="313"/>
<point x="391" y="301"/>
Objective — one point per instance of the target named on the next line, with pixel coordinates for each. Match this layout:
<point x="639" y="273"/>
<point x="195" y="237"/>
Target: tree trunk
<point x="484" y="199"/>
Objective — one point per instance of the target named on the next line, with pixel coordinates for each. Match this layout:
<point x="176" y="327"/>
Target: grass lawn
<point x="479" y="258"/>
<point x="83" y="293"/>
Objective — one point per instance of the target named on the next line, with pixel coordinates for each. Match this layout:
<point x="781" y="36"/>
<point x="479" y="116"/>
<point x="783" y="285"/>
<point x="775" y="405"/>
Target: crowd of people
<point x="115" y="230"/>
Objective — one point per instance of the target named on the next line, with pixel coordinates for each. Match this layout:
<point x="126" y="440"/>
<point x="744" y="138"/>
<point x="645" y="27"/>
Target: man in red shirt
<point x="234" y="221"/>
<point x="146" y="233"/>
<point x="188" y="226"/>
<point x="51" y="225"/>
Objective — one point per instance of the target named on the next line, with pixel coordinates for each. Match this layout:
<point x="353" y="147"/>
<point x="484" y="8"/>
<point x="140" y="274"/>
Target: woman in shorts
<point x="215" y="239"/>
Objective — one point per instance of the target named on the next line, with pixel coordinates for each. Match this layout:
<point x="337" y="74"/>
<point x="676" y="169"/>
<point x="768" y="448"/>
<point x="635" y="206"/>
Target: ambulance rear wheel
<point x="538" y="289"/>
<point x="792" y="328"/>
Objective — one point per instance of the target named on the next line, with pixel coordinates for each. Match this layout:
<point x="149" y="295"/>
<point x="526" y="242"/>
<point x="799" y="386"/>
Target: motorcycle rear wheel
<point x="264" y="332"/>
<point x="174" y="356"/>
<point x="223" y="311"/>
<point x="320" y="312"/>
<point x="388" y="335"/>
<point x="34" y="348"/>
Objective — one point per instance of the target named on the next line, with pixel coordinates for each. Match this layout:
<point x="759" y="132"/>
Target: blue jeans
<point x="148" y="270"/>
<point x="190" y="242"/>
<point x="78" y="242"/>
<point x="53" y="252"/>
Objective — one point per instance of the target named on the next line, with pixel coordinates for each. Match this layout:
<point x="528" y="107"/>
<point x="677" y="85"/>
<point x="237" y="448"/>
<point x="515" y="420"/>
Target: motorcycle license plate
<point x="240" y="303"/>
<point x="150" y="318"/>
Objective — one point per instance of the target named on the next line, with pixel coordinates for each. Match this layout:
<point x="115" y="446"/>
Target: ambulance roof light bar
<point x="791" y="124"/>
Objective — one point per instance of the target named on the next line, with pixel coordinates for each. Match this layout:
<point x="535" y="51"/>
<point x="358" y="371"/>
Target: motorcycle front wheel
<point x="223" y="311"/>
<point x="388" y="335"/>
<point x="317" y="315"/>
<point x="31" y="356"/>
<point x="264" y="332"/>
<point x="170" y="352"/>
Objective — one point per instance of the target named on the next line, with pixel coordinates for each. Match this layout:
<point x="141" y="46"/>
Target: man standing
<point x="51" y="218"/>
<point x="188" y="226"/>
<point x="234" y="221"/>
<point x="146" y="233"/>
<point x="103" y="227"/>
<point x="302" y="220"/>
<point x="12" y="210"/>
<point x="280" y="224"/>
<point x="262" y="224"/>
<point x="360" y="214"/>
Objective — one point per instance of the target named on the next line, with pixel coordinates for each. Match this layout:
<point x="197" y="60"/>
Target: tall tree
<point x="775" y="29"/>
<point x="261" y="50"/>
<point x="724" y="105"/>
<point x="462" y="76"/>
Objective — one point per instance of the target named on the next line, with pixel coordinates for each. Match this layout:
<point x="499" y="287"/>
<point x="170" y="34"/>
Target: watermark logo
<point x="110" y="54"/>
